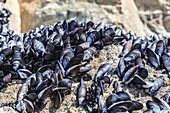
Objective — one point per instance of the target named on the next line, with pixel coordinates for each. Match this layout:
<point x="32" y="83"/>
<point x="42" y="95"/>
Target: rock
<point x="7" y="110"/>
<point x="166" y="23"/>
<point x="107" y="2"/>
<point x="15" y="20"/>
<point x="27" y="10"/>
<point x="148" y="4"/>
<point x="131" y="20"/>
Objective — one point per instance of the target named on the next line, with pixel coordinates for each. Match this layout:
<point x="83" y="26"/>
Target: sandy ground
<point x="108" y="54"/>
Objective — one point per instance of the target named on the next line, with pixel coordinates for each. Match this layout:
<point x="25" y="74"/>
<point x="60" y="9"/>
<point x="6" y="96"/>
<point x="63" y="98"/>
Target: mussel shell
<point x="126" y="49"/>
<point x="153" y="106"/>
<point x="140" y="62"/>
<point x="89" y="53"/>
<point x="45" y="93"/>
<point x="103" y="69"/>
<point x="32" y="96"/>
<point x="143" y="72"/>
<point x="57" y="99"/>
<point x="109" y="31"/>
<point x="29" y="106"/>
<point x="48" y="56"/>
<point x="113" y="98"/>
<point x="166" y="61"/>
<point x="121" y="106"/>
<point x="44" y="67"/>
<point x="123" y="96"/>
<point x="6" y="67"/>
<point x="166" y="97"/>
<point x="50" y="48"/>
<point x="76" y="60"/>
<point x="24" y="73"/>
<point x="153" y="58"/>
<point x="85" y="69"/>
<point x="107" y="40"/>
<point x="121" y="67"/>
<point x="81" y="92"/>
<point x="65" y="83"/>
<point x="37" y="65"/>
<point x="160" y="47"/>
<point x="98" y="44"/>
<point x="130" y="73"/>
<point x="42" y="85"/>
<point x="139" y="80"/>
<point x="74" y="69"/>
<point x="1" y="74"/>
<point x="157" y="85"/>
<point x="22" y="91"/>
<point x="136" y="106"/>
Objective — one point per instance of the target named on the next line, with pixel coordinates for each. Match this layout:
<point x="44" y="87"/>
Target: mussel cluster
<point x="50" y="58"/>
<point x="93" y="96"/>
<point x="138" y="50"/>
<point x="158" y="105"/>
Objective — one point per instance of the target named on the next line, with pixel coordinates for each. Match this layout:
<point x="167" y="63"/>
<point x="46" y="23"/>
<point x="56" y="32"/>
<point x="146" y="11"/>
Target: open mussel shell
<point x="24" y="73"/>
<point x="130" y="73"/>
<point x="74" y="69"/>
<point x="121" y="106"/>
<point x="66" y="83"/>
<point x="37" y="65"/>
<point x="45" y="93"/>
<point x="139" y="80"/>
<point x="44" y="67"/>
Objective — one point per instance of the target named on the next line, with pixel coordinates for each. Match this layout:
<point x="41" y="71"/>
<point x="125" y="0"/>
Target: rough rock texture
<point x="148" y="4"/>
<point x="143" y="17"/>
<point x="131" y="20"/>
<point x="15" y="20"/>
<point x="27" y="10"/>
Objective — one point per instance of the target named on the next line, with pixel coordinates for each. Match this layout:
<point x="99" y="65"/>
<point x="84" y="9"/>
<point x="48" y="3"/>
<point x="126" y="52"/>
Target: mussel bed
<point x="83" y="66"/>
